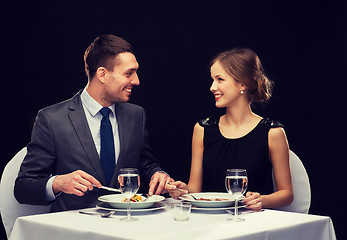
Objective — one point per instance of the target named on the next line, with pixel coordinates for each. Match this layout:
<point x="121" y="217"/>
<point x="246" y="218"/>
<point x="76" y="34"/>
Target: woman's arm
<point x="178" y="188"/>
<point x="279" y="156"/>
<point x="195" y="179"/>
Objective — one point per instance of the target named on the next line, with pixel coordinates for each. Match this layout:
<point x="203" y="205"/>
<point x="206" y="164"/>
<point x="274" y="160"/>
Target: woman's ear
<point x="242" y="89"/>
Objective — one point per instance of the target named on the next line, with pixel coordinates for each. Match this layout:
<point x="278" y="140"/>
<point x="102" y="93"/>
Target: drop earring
<point x="242" y="92"/>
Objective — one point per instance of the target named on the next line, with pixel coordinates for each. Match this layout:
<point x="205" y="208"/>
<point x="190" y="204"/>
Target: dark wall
<point x="303" y="49"/>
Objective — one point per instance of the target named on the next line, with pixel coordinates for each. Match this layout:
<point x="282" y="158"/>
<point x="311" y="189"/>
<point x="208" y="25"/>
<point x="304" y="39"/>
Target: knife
<point x="109" y="188"/>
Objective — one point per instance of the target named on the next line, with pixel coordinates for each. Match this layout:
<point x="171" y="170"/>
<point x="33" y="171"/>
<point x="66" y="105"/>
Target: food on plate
<point x="213" y="199"/>
<point x="135" y="198"/>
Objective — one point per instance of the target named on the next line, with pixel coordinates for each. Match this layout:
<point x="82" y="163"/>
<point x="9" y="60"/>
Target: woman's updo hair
<point x="245" y="67"/>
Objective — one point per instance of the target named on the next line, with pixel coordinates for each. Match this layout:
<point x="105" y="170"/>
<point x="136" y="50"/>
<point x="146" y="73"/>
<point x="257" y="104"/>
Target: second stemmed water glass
<point x="129" y="183"/>
<point x="236" y="183"/>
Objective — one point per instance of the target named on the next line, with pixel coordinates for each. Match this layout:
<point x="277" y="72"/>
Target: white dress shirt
<point x="92" y="111"/>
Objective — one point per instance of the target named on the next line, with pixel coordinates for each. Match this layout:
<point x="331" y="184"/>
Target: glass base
<point x="236" y="219"/>
<point x="130" y="219"/>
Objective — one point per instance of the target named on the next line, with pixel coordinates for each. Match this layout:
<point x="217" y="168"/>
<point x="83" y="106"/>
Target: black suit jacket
<point x="62" y="143"/>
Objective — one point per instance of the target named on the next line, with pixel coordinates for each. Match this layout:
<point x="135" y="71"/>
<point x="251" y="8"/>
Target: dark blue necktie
<point x="107" y="151"/>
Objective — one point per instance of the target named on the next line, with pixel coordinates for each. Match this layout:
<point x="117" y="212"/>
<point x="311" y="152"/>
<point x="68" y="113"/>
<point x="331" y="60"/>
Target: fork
<point x="103" y="215"/>
<point x="193" y="197"/>
<point x="146" y="198"/>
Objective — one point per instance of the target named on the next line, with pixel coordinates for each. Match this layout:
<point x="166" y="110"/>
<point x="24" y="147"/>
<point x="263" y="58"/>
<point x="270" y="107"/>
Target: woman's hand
<point x="176" y="189"/>
<point x="253" y="201"/>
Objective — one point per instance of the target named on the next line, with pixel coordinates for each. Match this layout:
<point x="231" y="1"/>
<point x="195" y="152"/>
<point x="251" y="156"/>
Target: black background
<point x="302" y="46"/>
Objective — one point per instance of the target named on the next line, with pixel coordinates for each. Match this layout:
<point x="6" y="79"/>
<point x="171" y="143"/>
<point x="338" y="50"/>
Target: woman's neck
<point x="239" y="115"/>
<point x="238" y="122"/>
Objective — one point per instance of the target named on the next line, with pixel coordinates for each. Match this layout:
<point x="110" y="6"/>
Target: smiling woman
<point x="239" y="138"/>
<point x="245" y="68"/>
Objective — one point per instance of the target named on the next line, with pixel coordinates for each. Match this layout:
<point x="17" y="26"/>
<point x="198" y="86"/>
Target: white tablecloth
<point x="268" y="224"/>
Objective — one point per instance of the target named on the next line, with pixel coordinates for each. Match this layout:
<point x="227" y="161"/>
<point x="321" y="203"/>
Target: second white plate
<point x="108" y="207"/>
<point x="210" y="199"/>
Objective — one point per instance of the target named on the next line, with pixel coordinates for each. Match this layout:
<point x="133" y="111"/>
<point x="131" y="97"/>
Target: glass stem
<point x="236" y="209"/>
<point x="128" y="209"/>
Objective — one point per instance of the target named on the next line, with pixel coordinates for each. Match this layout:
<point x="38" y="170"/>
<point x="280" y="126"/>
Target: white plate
<point x="155" y="206"/>
<point x="210" y="204"/>
<point x="116" y="201"/>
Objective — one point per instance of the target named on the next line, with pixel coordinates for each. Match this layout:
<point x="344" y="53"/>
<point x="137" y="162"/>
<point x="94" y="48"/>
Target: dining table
<point x="159" y="224"/>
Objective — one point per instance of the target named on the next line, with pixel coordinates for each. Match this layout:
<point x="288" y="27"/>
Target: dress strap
<point x="208" y="122"/>
<point x="271" y="123"/>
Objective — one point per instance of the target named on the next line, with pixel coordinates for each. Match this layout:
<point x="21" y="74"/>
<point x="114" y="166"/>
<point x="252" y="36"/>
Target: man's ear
<point x="101" y="74"/>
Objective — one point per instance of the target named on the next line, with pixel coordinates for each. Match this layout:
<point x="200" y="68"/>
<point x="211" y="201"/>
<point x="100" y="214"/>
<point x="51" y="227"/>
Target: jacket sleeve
<point x="148" y="162"/>
<point x="36" y="168"/>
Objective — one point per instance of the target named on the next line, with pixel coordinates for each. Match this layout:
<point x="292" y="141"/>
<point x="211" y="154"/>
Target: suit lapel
<point x="80" y="124"/>
<point x="123" y="129"/>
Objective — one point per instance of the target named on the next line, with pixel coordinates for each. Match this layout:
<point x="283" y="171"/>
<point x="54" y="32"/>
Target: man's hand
<point x="158" y="182"/>
<point x="77" y="182"/>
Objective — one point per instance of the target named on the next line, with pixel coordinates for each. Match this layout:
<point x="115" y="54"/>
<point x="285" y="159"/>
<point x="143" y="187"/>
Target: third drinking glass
<point x="236" y="183"/>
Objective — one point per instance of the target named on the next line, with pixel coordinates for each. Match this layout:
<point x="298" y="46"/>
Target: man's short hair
<point x="102" y="52"/>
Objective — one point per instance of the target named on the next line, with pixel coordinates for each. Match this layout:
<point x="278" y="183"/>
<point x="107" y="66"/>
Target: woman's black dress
<point x="250" y="152"/>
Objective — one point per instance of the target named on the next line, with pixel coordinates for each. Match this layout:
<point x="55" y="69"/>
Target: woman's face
<point x="225" y="89"/>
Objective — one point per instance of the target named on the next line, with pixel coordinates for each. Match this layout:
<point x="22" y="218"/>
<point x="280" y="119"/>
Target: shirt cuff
<point x="49" y="190"/>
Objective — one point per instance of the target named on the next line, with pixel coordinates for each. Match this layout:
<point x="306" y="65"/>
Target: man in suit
<point x="63" y="163"/>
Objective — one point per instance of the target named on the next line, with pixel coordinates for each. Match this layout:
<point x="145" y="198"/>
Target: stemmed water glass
<point x="236" y="183"/>
<point x="129" y="183"/>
